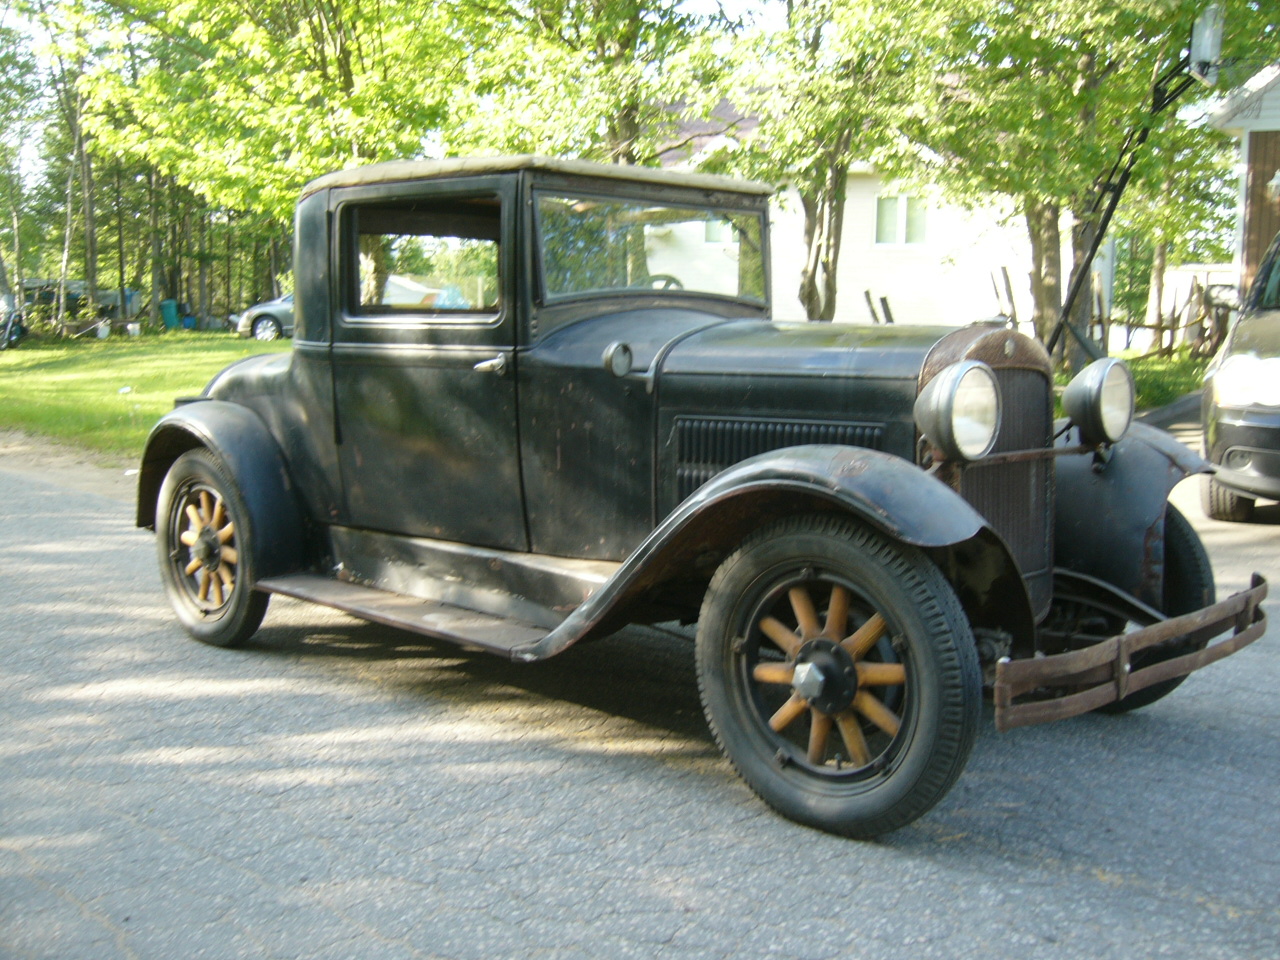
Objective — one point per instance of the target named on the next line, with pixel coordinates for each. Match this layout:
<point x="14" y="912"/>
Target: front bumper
<point x="1245" y="445"/>
<point x="1068" y="684"/>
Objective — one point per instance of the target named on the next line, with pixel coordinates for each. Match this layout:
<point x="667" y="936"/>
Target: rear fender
<point x="887" y="492"/>
<point x="1109" y="514"/>
<point x="239" y="438"/>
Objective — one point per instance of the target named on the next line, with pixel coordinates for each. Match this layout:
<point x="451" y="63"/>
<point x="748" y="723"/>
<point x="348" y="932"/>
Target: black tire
<point x="203" y="540"/>
<point x="1188" y="586"/>
<point x="839" y="763"/>
<point x="1221" y="503"/>
<point x="266" y="328"/>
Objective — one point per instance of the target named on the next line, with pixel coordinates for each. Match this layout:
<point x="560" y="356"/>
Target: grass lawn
<point x="1162" y="380"/>
<point x="107" y="394"/>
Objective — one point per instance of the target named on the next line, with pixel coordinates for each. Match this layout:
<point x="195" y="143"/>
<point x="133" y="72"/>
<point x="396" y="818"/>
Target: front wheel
<point x="203" y="540"/>
<point x="1188" y="586"/>
<point x="839" y="675"/>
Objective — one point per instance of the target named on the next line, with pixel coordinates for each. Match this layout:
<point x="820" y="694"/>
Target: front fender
<point x="887" y="492"/>
<point x="1109" y="515"/>
<point x="239" y="438"/>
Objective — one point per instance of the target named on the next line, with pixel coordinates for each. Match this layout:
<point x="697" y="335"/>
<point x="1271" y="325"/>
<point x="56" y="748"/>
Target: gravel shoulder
<point x="49" y="461"/>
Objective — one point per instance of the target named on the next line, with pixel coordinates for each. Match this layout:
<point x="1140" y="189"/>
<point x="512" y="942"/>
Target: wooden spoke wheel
<point x="839" y="675"/>
<point x="203" y="545"/>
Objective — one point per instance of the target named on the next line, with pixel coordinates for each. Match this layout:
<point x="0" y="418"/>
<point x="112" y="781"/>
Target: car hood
<point x="764" y="348"/>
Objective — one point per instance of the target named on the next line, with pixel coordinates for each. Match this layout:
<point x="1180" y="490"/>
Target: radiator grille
<point x="1017" y="498"/>
<point x="706" y="446"/>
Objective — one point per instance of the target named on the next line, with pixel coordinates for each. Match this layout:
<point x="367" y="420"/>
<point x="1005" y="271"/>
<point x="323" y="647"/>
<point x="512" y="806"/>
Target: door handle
<point x="496" y="366"/>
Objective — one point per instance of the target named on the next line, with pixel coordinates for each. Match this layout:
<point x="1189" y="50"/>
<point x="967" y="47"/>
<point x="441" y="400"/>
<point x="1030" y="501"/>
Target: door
<point x="423" y="355"/>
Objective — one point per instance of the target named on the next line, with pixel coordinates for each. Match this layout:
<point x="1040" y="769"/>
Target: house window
<point x="900" y="219"/>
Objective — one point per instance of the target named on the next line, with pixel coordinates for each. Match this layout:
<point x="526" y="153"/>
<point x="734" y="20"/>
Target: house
<point x="1251" y="113"/>
<point x="931" y="261"/>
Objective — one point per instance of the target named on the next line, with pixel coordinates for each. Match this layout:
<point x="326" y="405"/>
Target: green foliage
<point x="1161" y="380"/>
<point x="595" y="79"/>
<point x="107" y="394"/>
<point x="246" y="101"/>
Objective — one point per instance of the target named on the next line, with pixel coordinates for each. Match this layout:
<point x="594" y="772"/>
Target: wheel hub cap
<point x="207" y="549"/>
<point x="825" y="676"/>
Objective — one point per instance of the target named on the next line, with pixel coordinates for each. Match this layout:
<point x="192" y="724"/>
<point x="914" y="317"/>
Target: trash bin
<point x="169" y="312"/>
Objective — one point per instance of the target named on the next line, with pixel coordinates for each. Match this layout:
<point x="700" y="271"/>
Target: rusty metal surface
<point x="995" y="345"/>
<point x="1101" y="674"/>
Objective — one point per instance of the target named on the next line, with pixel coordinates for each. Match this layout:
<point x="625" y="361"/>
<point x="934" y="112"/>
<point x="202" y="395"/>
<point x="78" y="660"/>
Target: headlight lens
<point x="958" y="411"/>
<point x="1244" y="380"/>
<point x="1099" y="400"/>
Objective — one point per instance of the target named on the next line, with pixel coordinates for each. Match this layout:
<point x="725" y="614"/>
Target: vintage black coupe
<point x="532" y="400"/>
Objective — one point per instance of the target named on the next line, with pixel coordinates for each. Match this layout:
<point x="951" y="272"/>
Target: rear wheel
<point x="203" y="540"/>
<point x="839" y="675"/>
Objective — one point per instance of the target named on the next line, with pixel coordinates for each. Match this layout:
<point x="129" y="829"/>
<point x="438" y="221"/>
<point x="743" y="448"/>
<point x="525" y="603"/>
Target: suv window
<point x="592" y="245"/>
<point x="421" y="256"/>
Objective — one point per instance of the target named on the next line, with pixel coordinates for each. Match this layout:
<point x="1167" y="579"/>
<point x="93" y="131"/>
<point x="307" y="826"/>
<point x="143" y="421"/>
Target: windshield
<point x="592" y="245"/>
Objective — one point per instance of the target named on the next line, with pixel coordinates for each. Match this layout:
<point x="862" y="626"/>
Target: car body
<point x="583" y="416"/>
<point x="269" y="320"/>
<point x="1240" y="406"/>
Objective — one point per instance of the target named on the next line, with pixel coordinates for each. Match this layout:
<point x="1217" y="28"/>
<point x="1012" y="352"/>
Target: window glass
<point x="915" y="220"/>
<point x="887" y="220"/>
<point x="423" y="257"/>
<point x="900" y="219"/>
<point x="595" y="245"/>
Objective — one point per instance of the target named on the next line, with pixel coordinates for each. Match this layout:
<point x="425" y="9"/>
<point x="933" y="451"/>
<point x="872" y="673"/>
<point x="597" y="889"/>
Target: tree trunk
<point x="823" y="231"/>
<point x="1083" y="233"/>
<point x="18" y="285"/>
<point x="157" y="265"/>
<point x="61" y="319"/>
<point x="203" y="270"/>
<point x="1155" y="293"/>
<point x="122" y="313"/>
<point x="1046" y="258"/>
<point x="89" y="216"/>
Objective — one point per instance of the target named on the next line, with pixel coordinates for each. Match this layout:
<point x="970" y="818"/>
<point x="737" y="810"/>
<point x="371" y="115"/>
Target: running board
<point x="430" y="618"/>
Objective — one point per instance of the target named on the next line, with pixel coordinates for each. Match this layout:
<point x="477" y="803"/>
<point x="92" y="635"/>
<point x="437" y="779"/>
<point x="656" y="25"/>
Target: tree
<point x="1036" y="109"/>
<point x="597" y="79"/>
<point x="832" y="87"/>
<point x="19" y="104"/>
<point x="246" y="101"/>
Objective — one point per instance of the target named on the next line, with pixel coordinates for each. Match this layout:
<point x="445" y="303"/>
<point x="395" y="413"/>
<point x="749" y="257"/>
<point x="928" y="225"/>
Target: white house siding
<point x="944" y="279"/>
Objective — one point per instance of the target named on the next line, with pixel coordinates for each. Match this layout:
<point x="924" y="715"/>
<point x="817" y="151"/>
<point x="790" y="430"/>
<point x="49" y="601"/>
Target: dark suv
<point x="532" y="400"/>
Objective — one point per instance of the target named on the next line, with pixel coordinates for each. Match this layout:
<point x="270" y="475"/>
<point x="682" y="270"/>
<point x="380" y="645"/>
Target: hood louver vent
<point x="707" y="446"/>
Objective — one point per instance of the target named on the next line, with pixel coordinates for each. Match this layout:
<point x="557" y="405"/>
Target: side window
<point x="418" y="257"/>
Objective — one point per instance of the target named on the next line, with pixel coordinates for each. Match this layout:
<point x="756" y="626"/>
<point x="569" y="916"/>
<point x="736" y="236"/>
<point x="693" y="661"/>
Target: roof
<point x="1244" y="103"/>
<point x="401" y="170"/>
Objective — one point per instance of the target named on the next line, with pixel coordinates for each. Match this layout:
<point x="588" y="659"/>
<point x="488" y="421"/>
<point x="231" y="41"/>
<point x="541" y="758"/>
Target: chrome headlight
<point x="1099" y="400"/>
<point x="958" y="411"/>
